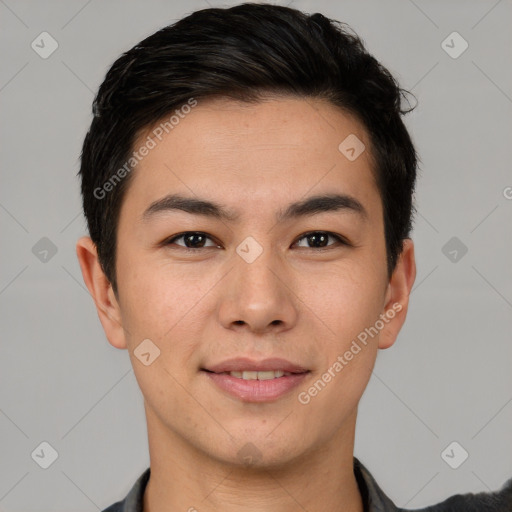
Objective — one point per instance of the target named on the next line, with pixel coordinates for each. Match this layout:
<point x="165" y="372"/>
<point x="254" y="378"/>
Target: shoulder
<point x="116" y="507"/>
<point x="496" y="501"/>
<point x="377" y="501"/>
<point x="133" y="502"/>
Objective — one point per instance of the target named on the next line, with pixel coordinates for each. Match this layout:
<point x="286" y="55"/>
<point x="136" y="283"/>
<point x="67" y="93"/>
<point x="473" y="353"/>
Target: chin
<point x="259" y="451"/>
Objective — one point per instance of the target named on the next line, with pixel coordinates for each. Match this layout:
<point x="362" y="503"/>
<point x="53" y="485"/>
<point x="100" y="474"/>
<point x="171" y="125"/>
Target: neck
<point x="186" y="479"/>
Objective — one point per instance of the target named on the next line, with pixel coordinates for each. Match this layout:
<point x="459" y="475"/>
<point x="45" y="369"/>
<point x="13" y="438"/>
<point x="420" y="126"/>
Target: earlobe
<point x="101" y="291"/>
<point x="397" y="295"/>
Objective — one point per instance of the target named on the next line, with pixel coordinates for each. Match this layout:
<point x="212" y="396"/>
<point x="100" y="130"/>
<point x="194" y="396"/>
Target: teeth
<point x="251" y="375"/>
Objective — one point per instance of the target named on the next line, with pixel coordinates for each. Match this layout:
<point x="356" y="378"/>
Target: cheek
<point x="347" y="310"/>
<point x="163" y="303"/>
<point x="159" y="307"/>
<point x="344" y="305"/>
<point x="152" y="300"/>
<point x="344" y="300"/>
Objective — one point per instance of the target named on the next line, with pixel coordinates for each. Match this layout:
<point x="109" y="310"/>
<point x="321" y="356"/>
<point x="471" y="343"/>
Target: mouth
<point x="257" y="375"/>
<point x="253" y="381"/>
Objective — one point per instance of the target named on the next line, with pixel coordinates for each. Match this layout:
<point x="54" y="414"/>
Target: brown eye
<point x="320" y="239"/>
<point x="192" y="240"/>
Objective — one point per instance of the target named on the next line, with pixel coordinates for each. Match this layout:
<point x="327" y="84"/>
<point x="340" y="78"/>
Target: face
<point x="249" y="282"/>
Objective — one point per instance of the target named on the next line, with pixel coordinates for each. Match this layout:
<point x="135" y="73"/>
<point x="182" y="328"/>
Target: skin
<point x="294" y="301"/>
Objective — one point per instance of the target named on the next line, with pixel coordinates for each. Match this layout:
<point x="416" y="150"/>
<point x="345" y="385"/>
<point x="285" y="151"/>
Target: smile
<point x="252" y="375"/>
<point x="256" y="386"/>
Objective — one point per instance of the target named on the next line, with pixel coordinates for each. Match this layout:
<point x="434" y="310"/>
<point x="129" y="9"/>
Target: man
<point x="248" y="186"/>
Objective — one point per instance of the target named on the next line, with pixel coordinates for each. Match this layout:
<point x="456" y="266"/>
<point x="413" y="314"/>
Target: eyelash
<point x="340" y="240"/>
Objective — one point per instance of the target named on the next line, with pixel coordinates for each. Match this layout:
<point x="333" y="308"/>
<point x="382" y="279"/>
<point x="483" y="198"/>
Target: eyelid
<point x="339" y="238"/>
<point x="177" y="236"/>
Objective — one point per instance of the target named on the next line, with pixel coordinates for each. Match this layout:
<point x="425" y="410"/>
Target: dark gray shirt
<point x="374" y="499"/>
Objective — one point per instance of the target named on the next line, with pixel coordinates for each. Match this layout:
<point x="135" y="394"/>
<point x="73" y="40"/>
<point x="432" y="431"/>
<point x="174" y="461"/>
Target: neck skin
<point x="185" y="479"/>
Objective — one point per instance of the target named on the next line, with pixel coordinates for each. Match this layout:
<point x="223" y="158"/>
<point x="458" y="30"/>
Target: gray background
<point x="446" y="379"/>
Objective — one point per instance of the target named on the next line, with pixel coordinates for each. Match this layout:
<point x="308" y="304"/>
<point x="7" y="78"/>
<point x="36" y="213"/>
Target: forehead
<point x="250" y="153"/>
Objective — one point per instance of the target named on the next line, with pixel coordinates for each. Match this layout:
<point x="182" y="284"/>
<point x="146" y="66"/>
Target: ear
<point x="397" y="295"/>
<point x="101" y="291"/>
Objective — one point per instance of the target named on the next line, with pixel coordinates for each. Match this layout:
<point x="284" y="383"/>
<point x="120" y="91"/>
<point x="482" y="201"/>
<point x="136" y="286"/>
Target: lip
<point x="256" y="390"/>
<point x="243" y="363"/>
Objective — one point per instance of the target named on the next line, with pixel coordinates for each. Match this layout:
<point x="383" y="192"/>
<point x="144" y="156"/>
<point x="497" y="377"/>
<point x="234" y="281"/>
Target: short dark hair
<point x="243" y="53"/>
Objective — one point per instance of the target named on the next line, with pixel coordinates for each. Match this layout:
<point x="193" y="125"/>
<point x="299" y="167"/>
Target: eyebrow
<point x="306" y="207"/>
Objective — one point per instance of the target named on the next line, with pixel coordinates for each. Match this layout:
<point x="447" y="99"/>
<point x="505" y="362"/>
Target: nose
<point x="259" y="296"/>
